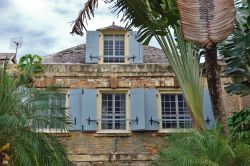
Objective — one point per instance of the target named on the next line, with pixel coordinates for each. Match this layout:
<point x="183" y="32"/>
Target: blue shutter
<point x="150" y="100"/>
<point x="92" y="47"/>
<point x="135" y="49"/>
<point x="137" y="109"/>
<point x="88" y="110"/>
<point x="207" y="110"/>
<point x="75" y="107"/>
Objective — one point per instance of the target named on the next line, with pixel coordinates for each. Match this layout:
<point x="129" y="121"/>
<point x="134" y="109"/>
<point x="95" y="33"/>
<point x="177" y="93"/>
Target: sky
<point x="45" y="25"/>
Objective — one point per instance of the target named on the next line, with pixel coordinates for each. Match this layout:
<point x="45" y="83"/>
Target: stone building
<point x="123" y="98"/>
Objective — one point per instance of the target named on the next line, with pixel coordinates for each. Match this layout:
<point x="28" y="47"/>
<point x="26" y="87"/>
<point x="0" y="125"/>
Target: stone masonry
<point x="136" y="148"/>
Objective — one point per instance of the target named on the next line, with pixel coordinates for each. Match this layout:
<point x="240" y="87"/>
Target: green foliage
<point x="29" y="65"/>
<point x="239" y="125"/>
<point x="236" y="51"/>
<point x="152" y="17"/>
<point x="159" y="19"/>
<point x="207" y="148"/>
<point x="23" y="109"/>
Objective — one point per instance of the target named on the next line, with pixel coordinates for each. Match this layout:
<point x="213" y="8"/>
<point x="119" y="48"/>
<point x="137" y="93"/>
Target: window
<point x="113" y="111"/>
<point x="114" y="49"/>
<point x="56" y="104"/>
<point x="174" y="112"/>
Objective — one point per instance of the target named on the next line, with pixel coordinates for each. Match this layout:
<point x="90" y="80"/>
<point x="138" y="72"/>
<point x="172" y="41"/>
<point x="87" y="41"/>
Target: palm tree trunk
<point x="214" y="86"/>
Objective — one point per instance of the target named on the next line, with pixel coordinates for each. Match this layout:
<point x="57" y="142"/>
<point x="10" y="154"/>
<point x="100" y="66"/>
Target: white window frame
<point x="159" y="110"/>
<point x="113" y="48"/>
<point x="99" y="111"/>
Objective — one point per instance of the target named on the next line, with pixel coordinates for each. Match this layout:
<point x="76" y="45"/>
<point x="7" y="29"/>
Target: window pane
<point x="174" y="111"/>
<point x="114" y="49"/>
<point x="115" y="116"/>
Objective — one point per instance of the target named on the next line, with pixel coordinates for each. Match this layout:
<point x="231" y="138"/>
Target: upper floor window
<point x="114" y="49"/>
<point x="113" y="111"/>
<point x="174" y="112"/>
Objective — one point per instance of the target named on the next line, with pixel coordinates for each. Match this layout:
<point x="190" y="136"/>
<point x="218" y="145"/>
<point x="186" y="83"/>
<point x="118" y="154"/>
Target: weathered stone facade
<point x="136" y="148"/>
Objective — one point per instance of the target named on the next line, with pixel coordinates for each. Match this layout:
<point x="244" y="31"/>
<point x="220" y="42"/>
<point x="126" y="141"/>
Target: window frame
<point x="114" y="38"/>
<point x="101" y="45"/>
<point x="99" y="111"/>
<point x="159" y="112"/>
<point x="57" y="130"/>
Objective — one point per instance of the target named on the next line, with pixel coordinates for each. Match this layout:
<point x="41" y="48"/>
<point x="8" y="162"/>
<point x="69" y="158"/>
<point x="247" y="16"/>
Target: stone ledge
<point x="110" y="157"/>
<point x="115" y="163"/>
<point x="113" y="134"/>
<point x="105" y="70"/>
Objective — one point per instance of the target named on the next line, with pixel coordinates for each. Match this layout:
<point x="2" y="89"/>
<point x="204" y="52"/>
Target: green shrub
<point x="239" y="125"/>
<point x="203" y="148"/>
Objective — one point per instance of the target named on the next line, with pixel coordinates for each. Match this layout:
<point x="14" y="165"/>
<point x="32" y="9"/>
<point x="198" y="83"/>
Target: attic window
<point x="114" y="49"/>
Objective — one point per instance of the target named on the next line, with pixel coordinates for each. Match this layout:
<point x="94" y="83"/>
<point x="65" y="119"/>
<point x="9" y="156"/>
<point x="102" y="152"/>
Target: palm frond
<point x="182" y="58"/>
<point x="23" y="109"/>
<point x="86" y="13"/>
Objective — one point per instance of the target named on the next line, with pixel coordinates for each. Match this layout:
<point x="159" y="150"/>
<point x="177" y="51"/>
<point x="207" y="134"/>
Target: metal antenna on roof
<point x="15" y="44"/>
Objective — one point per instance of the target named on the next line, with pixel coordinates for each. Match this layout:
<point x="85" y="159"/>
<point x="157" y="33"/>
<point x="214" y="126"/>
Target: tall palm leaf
<point x="155" y="19"/>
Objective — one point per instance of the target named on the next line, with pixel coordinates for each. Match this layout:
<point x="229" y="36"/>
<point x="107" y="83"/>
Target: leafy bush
<point x="23" y="109"/>
<point x="203" y="148"/>
<point x="236" y="52"/>
<point x="239" y="125"/>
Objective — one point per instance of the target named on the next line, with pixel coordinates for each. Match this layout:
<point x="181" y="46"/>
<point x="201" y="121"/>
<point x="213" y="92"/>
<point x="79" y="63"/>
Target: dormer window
<point x="114" y="49"/>
<point x="113" y="45"/>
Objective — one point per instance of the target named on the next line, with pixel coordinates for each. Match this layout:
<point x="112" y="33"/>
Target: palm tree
<point x="158" y="19"/>
<point x="207" y="23"/>
<point x="23" y="110"/>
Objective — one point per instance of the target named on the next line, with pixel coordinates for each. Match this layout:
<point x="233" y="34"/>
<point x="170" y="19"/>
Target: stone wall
<point x="122" y="76"/>
<point x="137" y="148"/>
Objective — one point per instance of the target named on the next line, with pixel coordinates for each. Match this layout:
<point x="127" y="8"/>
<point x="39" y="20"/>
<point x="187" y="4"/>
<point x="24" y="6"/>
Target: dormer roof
<point x="113" y="27"/>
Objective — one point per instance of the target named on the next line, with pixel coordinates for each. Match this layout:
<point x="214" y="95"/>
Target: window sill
<point x="169" y="131"/>
<point x="52" y="131"/>
<point x="113" y="133"/>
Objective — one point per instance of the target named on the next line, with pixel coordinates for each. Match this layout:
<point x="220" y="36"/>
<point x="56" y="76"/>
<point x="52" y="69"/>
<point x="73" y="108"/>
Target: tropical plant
<point x="159" y="19"/>
<point x="208" y="23"/>
<point x="239" y="125"/>
<point x="203" y="148"/>
<point x="23" y="110"/>
<point x="29" y="65"/>
<point x="236" y="52"/>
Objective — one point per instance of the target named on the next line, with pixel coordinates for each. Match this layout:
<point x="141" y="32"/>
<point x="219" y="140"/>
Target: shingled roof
<point x="77" y="55"/>
<point x="8" y="56"/>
